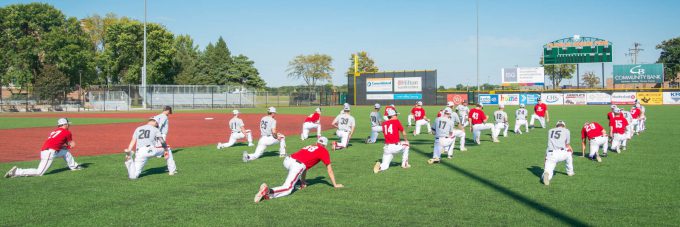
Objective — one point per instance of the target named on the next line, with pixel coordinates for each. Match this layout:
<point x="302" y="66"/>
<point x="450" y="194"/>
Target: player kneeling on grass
<point x="376" y="124"/>
<point x="419" y="115"/>
<point x="597" y="137"/>
<point x="501" y="121"/>
<point x="558" y="150"/>
<point x="629" y="129"/>
<point x="446" y="132"/>
<point x="391" y="130"/>
<point x="521" y="119"/>
<point x="477" y="118"/>
<point x="57" y="145"/>
<point x="237" y="132"/>
<point x="268" y="136"/>
<point x="313" y="121"/>
<point x="297" y="165"/>
<point x="345" y="124"/>
<point x="540" y="113"/>
<point x="146" y="139"/>
<point x="617" y="127"/>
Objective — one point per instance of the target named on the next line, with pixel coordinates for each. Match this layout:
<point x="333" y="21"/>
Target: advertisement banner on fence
<point x="412" y="96"/>
<point x="523" y="76"/>
<point x="575" y="99"/>
<point x="456" y="98"/>
<point x="378" y="84"/>
<point x="553" y="98"/>
<point x="671" y="98"/>
<point x="624" y="98"/>
<point x="529" y="98"/>
<point x="380" y="96"/>
<point x="488" y="99"/>
<point x="598" y="98"/>
<point x="408" y="84"/>
<point x="650" y="98"/>
<point x="509" y="99"/>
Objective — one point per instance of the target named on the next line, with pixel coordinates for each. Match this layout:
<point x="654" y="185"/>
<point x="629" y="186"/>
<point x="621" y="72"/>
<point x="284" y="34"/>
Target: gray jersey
<point x="267" y="126"/>
<point x="521" y="114"/>
<point x="163" y="123"/>
<point x="147" y="136"/>
<point x="235" y="124"/>
<point x="558" y="138"/>
<point x="462" y="110"/>
<point x="444" y="126"/>
<point x="455" y="119"/>
<point x="345" y="122"/>
<point x="500" y="116"/>
<point x="627" y="115"/>
<point x="376" y="119"/>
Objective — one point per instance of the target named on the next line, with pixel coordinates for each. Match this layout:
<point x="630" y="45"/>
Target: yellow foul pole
<point x="356" y="74"/>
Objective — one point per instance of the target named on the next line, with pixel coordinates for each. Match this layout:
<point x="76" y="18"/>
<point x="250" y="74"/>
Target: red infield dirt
<point x="186" y="130"/>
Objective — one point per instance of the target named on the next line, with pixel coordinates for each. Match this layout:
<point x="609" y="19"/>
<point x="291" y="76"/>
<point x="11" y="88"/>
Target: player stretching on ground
<point x="268" y="136"/>
<point x="311" y="122"/>
<point x="617" y="127"/>
<point x="411" y="117"/>
<point x="163" y="122"/>
<point x="446" y="132"/>
<point x="463" y="111"/>
<point x="387" y="108"/>
<point x="238" y="131"/>
<point x="57" y="145"/>
<point x="146" y="139"/>
<point x="629" y="129"/>
<point x="521" y="119"/>
<point x="376" y="124"/>
<point x="297" y="165"/>
<point x="558" y="150"/>
<point x="391" y="130"/>
<point x="540" y="113"/>
<point x="345" y="124"/>
<point x="501" y="121"/>
<point x="478" y="119"/>
<point x="419" y="114"/>
<point x="597" y="136"/>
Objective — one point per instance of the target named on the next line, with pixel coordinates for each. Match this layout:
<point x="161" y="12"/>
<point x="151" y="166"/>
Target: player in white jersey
<point x="558" y="150"/>
<point x="447" y="129"/>
<point x="376" y="124"/>
<point x="238" y="131"/>
<point x="643" y="116"/>
<point x="629" y="129"/>
<point x="345" y="124"/>
<point x="163" y="122"/>
<point x="268" y="136"/>
<point x="501" y="121"/>
<point x="521" y="119"/>
<point x="148" y="142"/>
<point x="463" y="111"/>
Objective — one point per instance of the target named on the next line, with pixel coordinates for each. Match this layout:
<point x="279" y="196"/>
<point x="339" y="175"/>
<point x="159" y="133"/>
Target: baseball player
<point x="57" y="145"/>
<point x="345" y="124"/>
<point x="463" y="111"/>
<point x="419" y="115"/>
<point x="477" y="118"/>
<point x="596" y="135"/>
<point x="376" y="124"/>
<point x="610" y="115"/>
<point x="449" y="105"/>
<point x="521" y="119"/>
<point x="643" y="115"/>
<point x="297" y="165"/>
<point x="162" y="120"/>
<point x="501" y="121"/>
<point x="540" y="113"/>
<point x="268" y="136"/>
<point x="558" y="150"/>
<point x="411" y="117"/>
<point x="448" y="127"/>
<point x="313" y="121"/>
<point x="629" y="129"/>
<point x="238" y="131"/>
<point x="636" y="113"/>
<point x="393" y="145"/>
<point x="387" y="108"/>
<point x="146" y="140"/>
<point x="617" y="127"/>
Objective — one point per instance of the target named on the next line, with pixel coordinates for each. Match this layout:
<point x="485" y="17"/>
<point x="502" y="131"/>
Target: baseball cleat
<point x="368" y="139"/>
<point x="624" y="148"/>
<point x="495" y="140"/>
<point x="77" y="168"/>
<point x="546" y="181"/>
<point x="478" y="142"/>
<point x="219" y="146"/>
<point x="376" y="167"/>
<point x="405" y="165"/>
<point x="598" y="158"/>
<point x="245" y="156"/>
<point x="570" y="174"/>
<point x="172" y="173"/>
<point x="463" y="149"/>
<point x="251" y="144"/>
<point x="261" y="193"/>
<point x="282" y="155"/>
<point x="604" y="155"/>
<point x="11" y="172"/>
<point x="450" y="157"/>
<point x="433" y="161"/>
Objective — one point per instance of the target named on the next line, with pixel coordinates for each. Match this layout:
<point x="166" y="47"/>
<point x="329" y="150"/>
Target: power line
<point x="634" y="52"/>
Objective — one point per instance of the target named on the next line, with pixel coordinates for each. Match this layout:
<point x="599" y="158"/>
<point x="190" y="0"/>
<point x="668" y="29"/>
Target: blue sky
<point x="401" y="34"/>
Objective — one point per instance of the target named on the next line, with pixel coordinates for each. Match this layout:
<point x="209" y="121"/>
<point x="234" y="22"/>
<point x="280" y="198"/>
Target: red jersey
<point x="591" y="131"/>
<point x="58" y="139"/>
<point x="313" y="118"/>
<point x="311" y="155"/>
<point x="635" y="112"/>
<point x="418" y="113"/>
<point x="540" y="109"/>
<point x="389" y="107"/>
<point x="610" y="115"/>
<point x="618" y="124"/>
<point x="477" y="116"/>
<point x="391" y="130"/>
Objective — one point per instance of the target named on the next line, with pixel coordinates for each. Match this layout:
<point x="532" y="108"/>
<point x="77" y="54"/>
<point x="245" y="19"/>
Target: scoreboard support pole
<point x="603" y="76"/>
<point x="356" y="74"/>
<point x="578" y="77"/>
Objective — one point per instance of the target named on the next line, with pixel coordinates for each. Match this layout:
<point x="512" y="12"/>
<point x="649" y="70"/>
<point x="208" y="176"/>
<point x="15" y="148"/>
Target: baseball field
<point x="490" y="184"/>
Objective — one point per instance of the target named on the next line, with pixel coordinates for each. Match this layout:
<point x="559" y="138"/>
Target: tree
<point x="52" y="85"/>
<point x="590" y="79"/>
<point x="441" y="88"/>
<point x="460" y="87"/>
<point x="311" y="68"/>
<point x="670" y="56"/>
<point x="186" y="61"/>
<point x="366" y="63"/>
<point x="216" y="61"/>
<point x="244" y="68"/>
<point x="556" y="73"/>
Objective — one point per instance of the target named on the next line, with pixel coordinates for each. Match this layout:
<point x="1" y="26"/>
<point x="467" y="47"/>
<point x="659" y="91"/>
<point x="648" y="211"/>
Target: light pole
<point x="144" y="64"/>
<point x="477" y="8"/>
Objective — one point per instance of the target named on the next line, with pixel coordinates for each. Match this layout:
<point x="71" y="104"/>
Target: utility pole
<point x="633" y="53"/>
<point x="144" y="65"/>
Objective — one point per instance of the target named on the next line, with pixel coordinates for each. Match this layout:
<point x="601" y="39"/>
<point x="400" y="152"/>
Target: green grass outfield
<point x="492" y="184"/>
<point x="31" y="122"/>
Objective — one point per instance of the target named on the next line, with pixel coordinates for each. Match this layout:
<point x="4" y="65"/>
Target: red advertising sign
<point x="456" y="98"/>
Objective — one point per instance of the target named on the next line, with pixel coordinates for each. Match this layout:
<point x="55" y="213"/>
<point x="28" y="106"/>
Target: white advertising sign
<point x="624" y="98"/>
<point x="379" y="96"/>
<point x="575" y="99"/>
<point x="378" y="84"/>
<point x="509" y="99"/>
<point x="553" y="98"/>
<point x="408" y="84"/>
<point x="598" y="98"/>
<point x="525" y="76"/>
<point x="671" y="98"/>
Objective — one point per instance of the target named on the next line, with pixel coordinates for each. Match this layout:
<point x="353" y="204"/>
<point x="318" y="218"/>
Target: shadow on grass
<point x="175" y="151"/>
<point x="538" y="171"/>
<point x="318" y="180"/>
<point x="512" y="194"/>
<point x="155" y="170"/>
<point x="83" y="165"/>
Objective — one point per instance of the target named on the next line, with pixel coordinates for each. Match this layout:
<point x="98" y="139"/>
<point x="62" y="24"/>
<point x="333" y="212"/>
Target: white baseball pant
<point x="389" y="150"/>
<point x="46" y="158"/>
<point x="629" y="134"/>
<point x="235" y="136"/>
<point x="636" y="125"/>
<point x="410" y="119"/>
<point x="344" y="138"/>
<point x="477" y="130"/>
<point x="501" y="127"/>
<point x="618" y="140"/>
<point x="295" y="170"/>
<point x="375" y="130"/>
<point x="134" y="167"/>
<point x="552" y="158"/>
<point x="308" y="126"/>
<point x="519" y="123"/>
<point x="420" y="123"/>
<point x="595" y="145"/>
<point x="643" y="126"/>
<point x="539" y="118"/>
<point x="464" y="120"/>
<point x="267" y="141"/>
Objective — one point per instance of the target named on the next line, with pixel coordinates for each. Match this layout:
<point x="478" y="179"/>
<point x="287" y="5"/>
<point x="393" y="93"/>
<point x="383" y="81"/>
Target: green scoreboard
<point x="577" y="50"/>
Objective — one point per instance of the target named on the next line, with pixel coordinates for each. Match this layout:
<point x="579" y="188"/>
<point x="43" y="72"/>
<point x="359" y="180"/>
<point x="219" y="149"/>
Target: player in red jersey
<point x="57" y="145"/>
<point x="540" y="114"/>
<point x="311" y="122"/>
<point x="390" y="107"/>
<point x="617" y="127"/>
<point x="393" y="145"/>
<point x="411" y="117"/>
<point x="419" y="115"/>
<point x="297" y="165"/>
<point x="610" y="115"/>
<point x="637" y="114"/>
<point x="597" y="136"/>
<point x="477" y="120"/>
